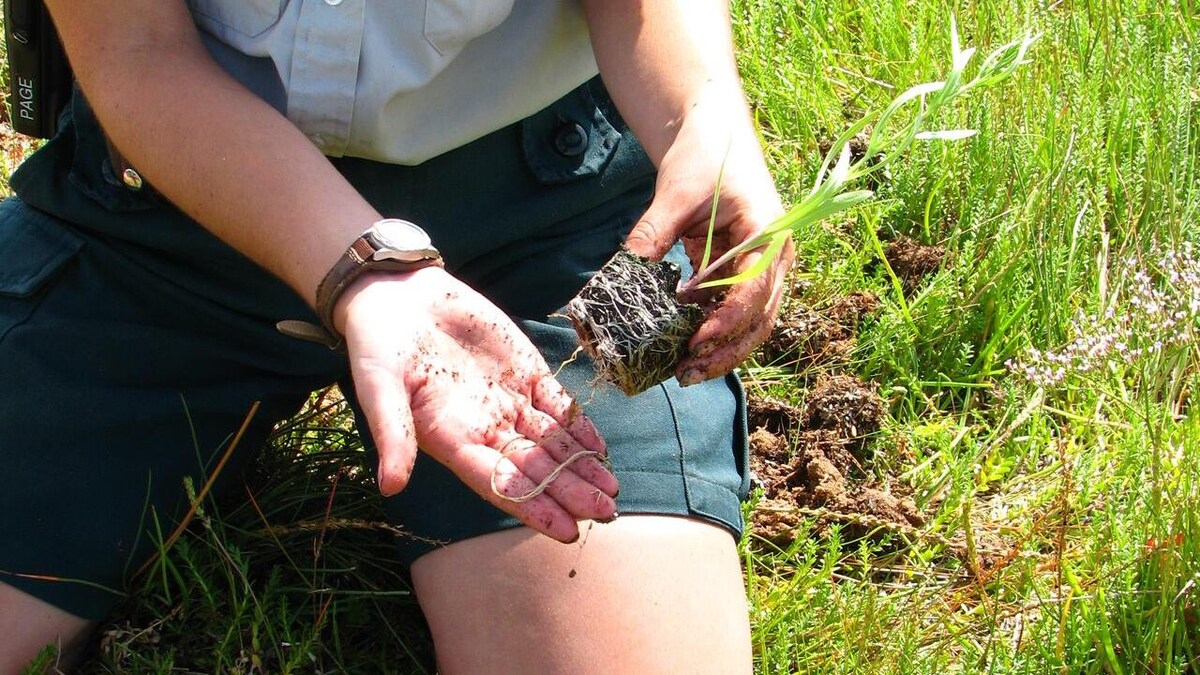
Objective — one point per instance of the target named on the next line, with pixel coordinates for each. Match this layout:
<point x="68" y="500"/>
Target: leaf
<point x="910" y="94"/>
<point x="811" y="211"/>
<point x="915" y="91"/>
<point x="961" y="59"/>
<point x="958" y="56"/>
<point x="759" y="266"/>
<point x="955" y="45"/>
<point x="842" y="169"/>
<point x="946" y="135"/>
<point x="712" y="218"/>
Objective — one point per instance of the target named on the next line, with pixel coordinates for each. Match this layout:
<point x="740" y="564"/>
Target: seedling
<point x="628" y="317"/>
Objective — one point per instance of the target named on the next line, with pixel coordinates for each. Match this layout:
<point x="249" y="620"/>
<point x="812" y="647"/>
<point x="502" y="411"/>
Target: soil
<point x="822" y="471"/>
<point x="913" y="261"/>
<point x="813" y="460"/>
<point x="629" y="321"/>
<point x="858" y="145"/>
<point x="816" y="462"/>
<point x="805" y="336"/>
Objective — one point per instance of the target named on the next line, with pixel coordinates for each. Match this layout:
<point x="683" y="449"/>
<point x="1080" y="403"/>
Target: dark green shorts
<point x="133" y="343"/>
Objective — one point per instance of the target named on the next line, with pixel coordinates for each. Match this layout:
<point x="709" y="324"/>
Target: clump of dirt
<point x="629" y="321"/>
<point x="858" y="145"/>
<point x="810" y="462"/>
<point x="847" y="406"/>
<point x="773" y="415"/>
<point x="913" y="261"/>
<point x="804" y="336"/>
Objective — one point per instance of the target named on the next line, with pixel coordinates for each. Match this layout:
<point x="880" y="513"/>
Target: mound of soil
<point x="846" y="406"/>
<point x="804" y="336"/>
<point x="811" y="462"/>
<point x="913" y="261"/>
<point x="858" y="145"/>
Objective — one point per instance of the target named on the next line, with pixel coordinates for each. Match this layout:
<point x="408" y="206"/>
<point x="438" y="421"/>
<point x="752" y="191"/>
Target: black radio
<point x="39" y="77"/>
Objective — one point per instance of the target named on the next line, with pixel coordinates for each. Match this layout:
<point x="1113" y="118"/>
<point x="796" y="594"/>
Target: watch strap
<point x="360" y="257"/>
<point x="349" y="268"/>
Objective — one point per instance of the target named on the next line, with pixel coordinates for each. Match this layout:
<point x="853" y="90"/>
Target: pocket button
<point x="571" y="140"/>
<point x="132" y="179"/>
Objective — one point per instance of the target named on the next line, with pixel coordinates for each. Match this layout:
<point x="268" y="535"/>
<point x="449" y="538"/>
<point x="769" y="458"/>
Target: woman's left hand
<point x="716" y="139"/>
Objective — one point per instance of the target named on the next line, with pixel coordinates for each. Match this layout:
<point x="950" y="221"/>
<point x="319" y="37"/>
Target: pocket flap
<point x="571" y="139"/>
<point x="33" y="247"/>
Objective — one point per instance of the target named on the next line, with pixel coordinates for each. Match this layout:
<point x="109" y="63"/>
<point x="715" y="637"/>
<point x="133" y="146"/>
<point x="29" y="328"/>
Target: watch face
<point x="401" y="235"/>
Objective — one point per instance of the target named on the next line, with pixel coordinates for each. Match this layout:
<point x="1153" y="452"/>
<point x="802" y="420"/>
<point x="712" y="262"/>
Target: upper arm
<point x="105" y="39"/>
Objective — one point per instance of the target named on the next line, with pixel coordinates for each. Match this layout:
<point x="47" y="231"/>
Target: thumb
<point x="385" y="403"/>
<point x="655" y="233"/>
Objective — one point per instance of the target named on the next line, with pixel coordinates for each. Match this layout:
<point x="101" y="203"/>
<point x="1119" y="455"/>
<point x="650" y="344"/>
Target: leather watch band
<point x="369" y="252"/>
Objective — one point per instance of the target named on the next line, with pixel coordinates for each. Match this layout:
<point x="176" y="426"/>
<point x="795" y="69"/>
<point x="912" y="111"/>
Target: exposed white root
<point x="541" y="487"/>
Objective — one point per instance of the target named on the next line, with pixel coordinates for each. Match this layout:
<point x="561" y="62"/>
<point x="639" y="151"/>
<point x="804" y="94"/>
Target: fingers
<point x="742" y="321"/>
<point x="385" y="403"/>
<point x="466" y="383"/>
<point x="522" y="481"/>
<point x="558" y="478"/>
<point x="649" y="238"/>
<point x="551" y="398"/>
<point x="720" y="359"/>
<point x="562" y="446"/>
<point x="507" y="487"/>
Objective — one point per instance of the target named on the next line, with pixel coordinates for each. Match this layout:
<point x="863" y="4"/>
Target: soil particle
<point x="806" y="337"/>
<point x="913" y="261"/>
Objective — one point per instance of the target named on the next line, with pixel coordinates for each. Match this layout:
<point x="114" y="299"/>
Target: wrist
<point x="391" y="246"/>
<point x="356" y="296"/>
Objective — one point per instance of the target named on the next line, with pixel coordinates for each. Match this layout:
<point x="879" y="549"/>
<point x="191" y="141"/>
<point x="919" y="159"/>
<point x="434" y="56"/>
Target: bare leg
<point x="650" y="594"/>
<point x="27" y="625"/>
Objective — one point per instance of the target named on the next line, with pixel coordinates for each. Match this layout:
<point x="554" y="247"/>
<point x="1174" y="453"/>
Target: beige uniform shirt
<point x="401" y="81"/>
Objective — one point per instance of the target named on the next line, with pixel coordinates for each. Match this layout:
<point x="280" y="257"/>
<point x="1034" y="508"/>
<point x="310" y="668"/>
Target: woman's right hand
<point x="439" y="367"/>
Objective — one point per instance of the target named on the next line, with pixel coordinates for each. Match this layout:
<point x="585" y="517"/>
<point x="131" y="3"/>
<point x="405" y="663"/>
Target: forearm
<point x="664" y="59"/>
<point x="214" y="149"/>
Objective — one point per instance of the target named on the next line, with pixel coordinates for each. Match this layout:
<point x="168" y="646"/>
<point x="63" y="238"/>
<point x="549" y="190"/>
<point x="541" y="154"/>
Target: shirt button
<point x="333" y="3"/>
<point x="571" y="140"/>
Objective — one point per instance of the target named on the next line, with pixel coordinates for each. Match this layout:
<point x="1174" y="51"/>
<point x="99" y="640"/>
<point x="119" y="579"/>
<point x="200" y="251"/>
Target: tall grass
<point x="1062" y="532"/>
<point x="1078" y="496"/>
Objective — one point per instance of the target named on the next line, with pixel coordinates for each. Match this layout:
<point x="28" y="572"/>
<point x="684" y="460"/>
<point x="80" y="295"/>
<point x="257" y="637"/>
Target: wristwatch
<point x="392" y="245"/>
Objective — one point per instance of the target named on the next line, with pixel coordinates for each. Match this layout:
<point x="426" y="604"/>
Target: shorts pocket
<point x="451" y="24"/>
<point x="35" y="249"/>
<point x="246" y="17"/>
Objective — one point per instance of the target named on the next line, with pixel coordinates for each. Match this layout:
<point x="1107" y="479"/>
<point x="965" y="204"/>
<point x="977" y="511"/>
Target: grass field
<point x="1035" y="451"/>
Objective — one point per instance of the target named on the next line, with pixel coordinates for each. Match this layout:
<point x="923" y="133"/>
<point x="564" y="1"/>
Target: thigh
<point x="119" y="386"/>
<point x="644" y="594"/>
<point x="29" y="625"/>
